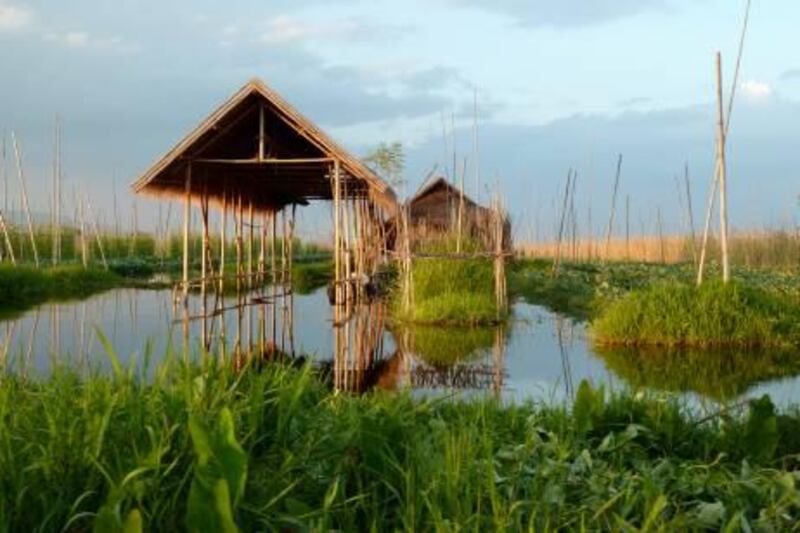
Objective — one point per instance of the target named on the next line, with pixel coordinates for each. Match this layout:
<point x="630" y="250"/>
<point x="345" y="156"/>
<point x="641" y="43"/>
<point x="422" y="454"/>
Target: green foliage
<point x="389" y="160"/>
<point x="309" y="276"/>
<point x="219" y="478"/>
<point x="589" y="403"/>
<point x="22" y="287"/>
<point x="761" y="430"/>
<point x="78" y="451"/>
<point x="451" y="292"/>
<point x="714" y="314"/>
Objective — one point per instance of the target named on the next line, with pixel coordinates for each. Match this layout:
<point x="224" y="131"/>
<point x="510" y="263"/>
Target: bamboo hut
<point x="434" y="211"/>
<point x="256" y="157"/>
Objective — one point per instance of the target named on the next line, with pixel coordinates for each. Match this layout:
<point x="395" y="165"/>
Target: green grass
<point x="450" y="292"/>
<point x="715" y="314"/>
<point x="307" y="459"/>
<point x="22" y="287"/>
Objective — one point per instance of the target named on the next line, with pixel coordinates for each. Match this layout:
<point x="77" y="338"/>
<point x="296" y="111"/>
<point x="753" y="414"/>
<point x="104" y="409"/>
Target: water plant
<point x="76" y="450"/>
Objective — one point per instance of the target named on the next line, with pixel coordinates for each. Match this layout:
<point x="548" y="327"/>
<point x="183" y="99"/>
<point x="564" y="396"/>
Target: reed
<point x="778" y="249"/>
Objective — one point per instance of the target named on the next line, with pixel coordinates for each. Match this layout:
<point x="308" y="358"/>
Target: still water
<point x="539" y="355"/>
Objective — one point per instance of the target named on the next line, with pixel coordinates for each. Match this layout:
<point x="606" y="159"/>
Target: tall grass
<point x="715" y="314"/>
<point x="71" y="446"/>
<point x="778" y="249"/>
<point x="450" y="291"/>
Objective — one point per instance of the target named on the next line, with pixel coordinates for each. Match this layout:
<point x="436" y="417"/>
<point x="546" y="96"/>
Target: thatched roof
<point x="258" y="145"/>
<point x="440" y="186"/>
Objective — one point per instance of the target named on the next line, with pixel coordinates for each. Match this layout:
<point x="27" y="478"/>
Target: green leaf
<point x="588" y="406"/>
<point x="220" y="473"/>
<point x="761" y="430"/>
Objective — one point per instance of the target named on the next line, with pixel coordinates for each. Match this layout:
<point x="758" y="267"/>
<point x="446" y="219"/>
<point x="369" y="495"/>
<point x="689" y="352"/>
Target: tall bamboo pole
<point x="557" y="260"/>
<point x="24" y="191"/>
<point x="222" y="241"/>
<point x="187" y="214"/>
<point x="723" y="186"/>
<point x="690" y="212"/>
<point x="204" y="264"/>
<point x="250" y="244"/>
<point x="84" y="244"/>
<point x="56" y="229"/>
<point x="9" y="247"/>
<point x="4" y="170"/>
<point x="97" y="235"/>
<point x="610" y="228"/>
<point x="337" y="237"/>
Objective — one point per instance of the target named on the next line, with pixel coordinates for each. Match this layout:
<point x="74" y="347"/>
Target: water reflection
<point x="720" y="375"/>
<point x="540" y="355"/>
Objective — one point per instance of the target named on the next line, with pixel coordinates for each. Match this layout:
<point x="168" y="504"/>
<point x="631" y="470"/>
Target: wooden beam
<point x="259" y="161"/>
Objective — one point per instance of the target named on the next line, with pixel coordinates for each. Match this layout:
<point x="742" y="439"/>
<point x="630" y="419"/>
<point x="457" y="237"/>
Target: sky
<point x="548" y="86"/>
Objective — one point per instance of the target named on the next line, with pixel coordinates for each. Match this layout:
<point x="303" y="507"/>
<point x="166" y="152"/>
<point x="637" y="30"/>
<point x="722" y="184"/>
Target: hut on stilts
<point x="439" y="208"/>
<point x="257" y="158"/>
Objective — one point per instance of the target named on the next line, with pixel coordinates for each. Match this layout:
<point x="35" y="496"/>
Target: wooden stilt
<point x="204" y="266"/>
<point x="337" y="237"/>
<point x="187" y="212"/>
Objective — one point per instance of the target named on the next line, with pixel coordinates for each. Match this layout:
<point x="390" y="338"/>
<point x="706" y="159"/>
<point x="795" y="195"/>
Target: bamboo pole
<point x="204" y="264"/>
<point x="97" y="235"/>
<point x="461" y="207"/>
<point x="84" y="244"/>
<point x="661" y="234"/>
<point x="187" y="212"/>
<point x="628" y="227"/>
<point x="250" y="243"/>
<point x="135" y="222"/>
<point x="557" y="260"/>
<point x="24" y="191"/>
<point x="337" y="237"/>
<point x="9" y="247"/>
<point x="690" y="212"/>
<point x="723" y="186"/>
<point x="475" y="160"/>
<point x="4" y="170"/>
<point x="222" y="241"/>
<point x="56" y="230"/>
<point x="610" y="228"/>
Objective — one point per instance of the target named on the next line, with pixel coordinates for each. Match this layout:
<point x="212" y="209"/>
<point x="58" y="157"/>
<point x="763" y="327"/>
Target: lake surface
<point x="539" y="355"/>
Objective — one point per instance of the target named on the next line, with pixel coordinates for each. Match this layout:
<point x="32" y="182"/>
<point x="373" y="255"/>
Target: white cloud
<point x="82" y="39"/>
<point x="13" y="17"/>
<point x="756" y="90"/>
<point x="284" y="29"/>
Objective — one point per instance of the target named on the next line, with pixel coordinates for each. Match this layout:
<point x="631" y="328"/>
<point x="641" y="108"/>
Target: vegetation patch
<point x="22" y="287"/>
<point x="714" y="314"/>
<point x="203" y="446"/>
<point x="450" y="291"/>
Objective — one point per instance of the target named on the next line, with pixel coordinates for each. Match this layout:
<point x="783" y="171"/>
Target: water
<point x="539" y="355"/>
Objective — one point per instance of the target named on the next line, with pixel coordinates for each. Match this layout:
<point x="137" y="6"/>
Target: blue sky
<point x="558" y="84"/>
